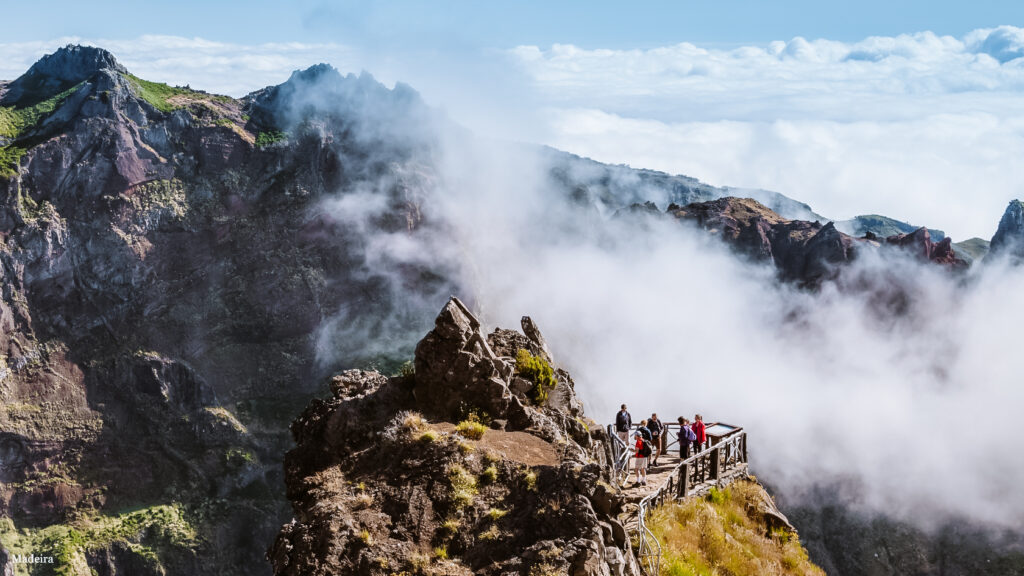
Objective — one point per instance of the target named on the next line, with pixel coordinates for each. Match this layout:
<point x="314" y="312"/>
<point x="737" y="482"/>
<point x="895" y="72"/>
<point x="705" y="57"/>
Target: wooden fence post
<point x="684" y="480"/>
<point x="715" y="463"/>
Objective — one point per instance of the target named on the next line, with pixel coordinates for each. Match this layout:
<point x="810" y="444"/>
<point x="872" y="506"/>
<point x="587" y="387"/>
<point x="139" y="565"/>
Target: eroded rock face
<point x="920" y="244"/>
<point x="805" y="252"/>
<point x="380" y="480"/>
<point x="162" y="280"/>
<point x="1009" y="237"/>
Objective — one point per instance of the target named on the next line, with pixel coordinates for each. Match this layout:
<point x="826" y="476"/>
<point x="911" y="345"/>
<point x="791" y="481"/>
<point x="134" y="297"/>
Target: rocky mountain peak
<point x="1010" y="234"/>
<point x="75" y="63"/>
<point x="520" y="482"/>
<point x="61" y="70"/>
<point x="321" y="91"/>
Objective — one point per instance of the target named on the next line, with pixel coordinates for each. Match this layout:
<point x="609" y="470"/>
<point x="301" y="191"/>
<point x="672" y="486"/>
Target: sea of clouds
<point x="919" y="127"/>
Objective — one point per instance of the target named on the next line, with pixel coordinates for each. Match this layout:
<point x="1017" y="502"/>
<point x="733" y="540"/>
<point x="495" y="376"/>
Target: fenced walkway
<point x="720" y="460"/>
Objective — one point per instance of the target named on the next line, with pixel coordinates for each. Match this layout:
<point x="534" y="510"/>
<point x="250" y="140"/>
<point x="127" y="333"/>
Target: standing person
<point x="686" y="438"/>
<point x="623" y="422"/>
<point x="657" y="436"/>
<point x="643" y="452"/>
<point x="698" y="431"/>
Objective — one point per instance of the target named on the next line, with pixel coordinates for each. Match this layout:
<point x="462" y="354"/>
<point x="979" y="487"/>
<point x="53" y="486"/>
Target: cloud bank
<point x="897" y="383"/>
<point x="919" y="127"/>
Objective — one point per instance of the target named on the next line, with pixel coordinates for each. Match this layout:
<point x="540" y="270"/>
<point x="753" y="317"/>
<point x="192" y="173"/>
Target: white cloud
<point x="920" y="127"/>
<point x="950" y="171"/>
<point x="908" y="407"/>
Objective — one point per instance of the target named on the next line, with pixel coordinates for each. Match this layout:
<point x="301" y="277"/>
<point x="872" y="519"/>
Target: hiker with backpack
<point x="686" y="438"/>
<point x="643" y="452"/>
<point x="657" y="436"/>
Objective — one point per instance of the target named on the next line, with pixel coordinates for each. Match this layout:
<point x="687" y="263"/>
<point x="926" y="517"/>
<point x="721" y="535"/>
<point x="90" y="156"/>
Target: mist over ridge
<point x="872" y="382"/>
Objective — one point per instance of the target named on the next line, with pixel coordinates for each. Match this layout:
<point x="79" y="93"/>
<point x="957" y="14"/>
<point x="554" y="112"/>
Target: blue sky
<point x="473" y="23"/>
<point x="910" y="109"/>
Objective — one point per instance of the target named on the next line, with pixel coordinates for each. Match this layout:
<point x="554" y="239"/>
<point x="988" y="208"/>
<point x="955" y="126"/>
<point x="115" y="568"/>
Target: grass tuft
<point x="471" y="428"/>
<point x="463" y="485"/>
<point x="489" y="475"/>
<point x="530" y="480"/>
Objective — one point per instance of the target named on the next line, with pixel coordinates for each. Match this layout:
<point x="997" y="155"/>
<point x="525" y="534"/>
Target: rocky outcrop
<point x="1008" y="240"/>
<point x="806" y="252"/>
<point x="382" y="482"/>
<point x="919" y="243"/>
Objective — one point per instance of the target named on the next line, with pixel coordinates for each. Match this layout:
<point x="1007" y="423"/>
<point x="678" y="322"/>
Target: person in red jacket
<point x="698" y="430"/>
<point x="643" y="435"/>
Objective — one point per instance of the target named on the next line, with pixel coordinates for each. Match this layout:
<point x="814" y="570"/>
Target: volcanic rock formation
<point x="382" y="482"/>
<point x="1009" y="236"/>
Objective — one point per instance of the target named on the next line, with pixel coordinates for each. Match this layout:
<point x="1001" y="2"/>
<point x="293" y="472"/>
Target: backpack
<point x="655" y="427"/>
<point x="622" y="421"/>
<point x="645" y="449"/>
<point x="690" y="435"/>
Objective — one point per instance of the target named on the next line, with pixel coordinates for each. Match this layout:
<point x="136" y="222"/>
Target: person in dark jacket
<point x="686" y="438"/>
<point x="657" y="437"/>
<point x="623" y="422"/>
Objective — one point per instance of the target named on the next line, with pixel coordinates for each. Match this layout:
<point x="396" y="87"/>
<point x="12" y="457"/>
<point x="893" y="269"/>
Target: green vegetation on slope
<point x="536" y="370"/>
<point x="156" y="93"/>
<point x="724" y="534"/>
<point x="148" y="533"/>
<point x="264" y="139"/>
<point x="159" y="94"/>
<point x="16" y="121"/>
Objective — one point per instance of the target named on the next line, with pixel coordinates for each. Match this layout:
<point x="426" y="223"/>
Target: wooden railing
<point x="708" y="465"/>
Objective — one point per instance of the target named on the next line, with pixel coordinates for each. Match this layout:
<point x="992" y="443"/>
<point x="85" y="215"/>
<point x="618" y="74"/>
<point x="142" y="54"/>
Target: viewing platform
<point x="722" y="458"/>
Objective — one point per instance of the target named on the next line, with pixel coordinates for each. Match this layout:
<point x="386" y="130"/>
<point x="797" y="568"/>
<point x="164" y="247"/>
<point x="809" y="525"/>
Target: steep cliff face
<point x="386" y="479"/>
<point x="1009" y="237"/>
<point x="166" y="265"/>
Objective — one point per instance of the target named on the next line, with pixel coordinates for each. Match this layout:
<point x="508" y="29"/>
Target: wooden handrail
<point x="730" y="451"/>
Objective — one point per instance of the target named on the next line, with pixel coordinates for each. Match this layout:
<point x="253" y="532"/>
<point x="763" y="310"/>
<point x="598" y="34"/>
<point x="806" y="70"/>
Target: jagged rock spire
<point x="1009" y="237"/>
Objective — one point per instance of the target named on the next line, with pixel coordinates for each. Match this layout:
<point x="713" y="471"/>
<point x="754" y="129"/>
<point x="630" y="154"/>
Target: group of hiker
<point x="648" y="439"/>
